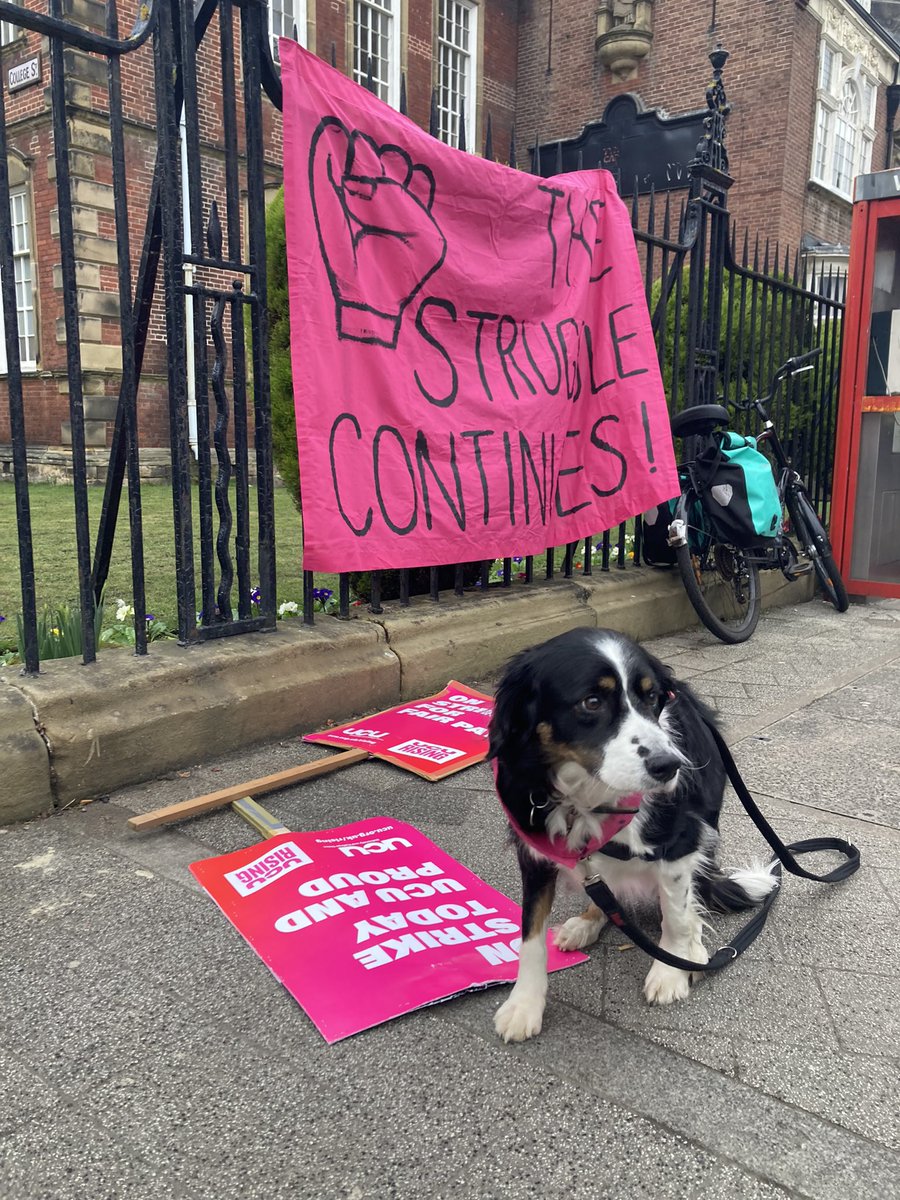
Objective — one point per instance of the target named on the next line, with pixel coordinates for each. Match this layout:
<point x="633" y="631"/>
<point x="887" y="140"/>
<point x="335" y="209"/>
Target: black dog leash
<point x="601" y="895"/>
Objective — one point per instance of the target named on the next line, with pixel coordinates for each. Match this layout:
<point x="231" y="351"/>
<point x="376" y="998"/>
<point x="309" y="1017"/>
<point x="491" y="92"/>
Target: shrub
<point x="284" y="422"/>
<point x="59" y="630"/>
<point x="755" y="349"/>
<point x="59" y="633"/>
<point x="419" y="581"/>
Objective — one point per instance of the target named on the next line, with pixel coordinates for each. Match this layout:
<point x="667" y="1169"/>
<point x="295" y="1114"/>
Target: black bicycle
<point x="721" y="579"/>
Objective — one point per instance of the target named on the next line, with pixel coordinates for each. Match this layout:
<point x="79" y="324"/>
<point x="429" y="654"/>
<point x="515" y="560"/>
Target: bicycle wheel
<point x="722" y="586"/>
<point x="810" y="532"/>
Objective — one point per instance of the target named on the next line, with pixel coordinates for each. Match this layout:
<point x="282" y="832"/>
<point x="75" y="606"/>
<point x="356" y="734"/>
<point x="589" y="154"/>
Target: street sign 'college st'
<point x="24" y="74"/>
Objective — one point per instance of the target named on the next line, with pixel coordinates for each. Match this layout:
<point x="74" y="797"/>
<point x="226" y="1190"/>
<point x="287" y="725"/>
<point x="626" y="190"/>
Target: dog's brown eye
<point x="591" y="703"/>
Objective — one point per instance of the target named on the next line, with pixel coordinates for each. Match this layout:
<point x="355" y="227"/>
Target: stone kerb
<point x="468" y="639"/>
<point x="125" y="719"/>
<point x="76" y="732"/>
<point x="25" y="787"/>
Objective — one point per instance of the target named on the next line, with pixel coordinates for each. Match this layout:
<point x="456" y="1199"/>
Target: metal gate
<point x="224" y="250"/>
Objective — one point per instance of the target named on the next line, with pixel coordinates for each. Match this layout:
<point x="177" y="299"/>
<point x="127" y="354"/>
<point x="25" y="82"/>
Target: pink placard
<point x="367" y="921"/>
<point x="434" y="737"/>
<point x="474" y="370"/>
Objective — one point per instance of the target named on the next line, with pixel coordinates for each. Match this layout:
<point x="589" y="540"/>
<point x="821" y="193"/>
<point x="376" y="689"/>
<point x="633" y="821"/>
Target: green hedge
<point x="783" y="327"/>
<point x="284" y="422"/>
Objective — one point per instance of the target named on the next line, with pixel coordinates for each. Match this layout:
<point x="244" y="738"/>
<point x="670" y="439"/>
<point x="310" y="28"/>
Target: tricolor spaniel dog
<point x="583" y="725"/>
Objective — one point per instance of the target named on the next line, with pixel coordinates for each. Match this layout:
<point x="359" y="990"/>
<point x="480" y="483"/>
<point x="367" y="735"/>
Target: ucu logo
<point x="375" y="847"/>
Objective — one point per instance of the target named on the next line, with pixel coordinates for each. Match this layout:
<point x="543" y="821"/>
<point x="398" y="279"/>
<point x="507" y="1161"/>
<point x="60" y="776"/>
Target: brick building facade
<point x="470" y="45"/>
<point x="810" y="83"/>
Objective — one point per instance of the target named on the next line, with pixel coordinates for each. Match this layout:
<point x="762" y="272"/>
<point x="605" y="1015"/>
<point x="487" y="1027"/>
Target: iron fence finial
<point x="711" y="150"/>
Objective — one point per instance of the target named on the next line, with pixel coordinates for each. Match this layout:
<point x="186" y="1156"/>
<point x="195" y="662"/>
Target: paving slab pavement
<point x="146" y="1052"/>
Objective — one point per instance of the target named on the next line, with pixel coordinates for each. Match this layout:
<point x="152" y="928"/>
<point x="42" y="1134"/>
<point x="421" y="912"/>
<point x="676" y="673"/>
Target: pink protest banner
<point x="434" y="737"/>
<point x="367" y="921"/>
<point x="473" y="365"/>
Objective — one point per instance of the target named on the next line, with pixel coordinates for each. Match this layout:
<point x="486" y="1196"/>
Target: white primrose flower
<point x="289" y="608"/>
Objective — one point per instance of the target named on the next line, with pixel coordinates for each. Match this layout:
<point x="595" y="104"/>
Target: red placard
<point x="433" y="737"/>
<point x="368" y="921"/>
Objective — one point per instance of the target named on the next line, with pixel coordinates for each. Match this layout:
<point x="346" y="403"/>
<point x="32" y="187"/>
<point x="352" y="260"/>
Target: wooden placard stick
<point x="258" y="817"/>
<point x="256" y="787"/>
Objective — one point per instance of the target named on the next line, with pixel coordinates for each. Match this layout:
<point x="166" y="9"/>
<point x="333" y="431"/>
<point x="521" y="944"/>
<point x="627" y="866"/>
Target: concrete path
<point x="146" y="1053"/>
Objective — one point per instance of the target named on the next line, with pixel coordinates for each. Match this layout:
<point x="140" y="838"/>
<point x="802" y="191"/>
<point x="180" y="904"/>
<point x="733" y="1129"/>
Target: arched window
<point x="845" y="121"/>
<point x="23" y="266"/>
<point x="846" y="136"/>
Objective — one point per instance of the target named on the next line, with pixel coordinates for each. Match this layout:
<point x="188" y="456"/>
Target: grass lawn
<point x="53" y="539"/>
<point x="56" y="575"/>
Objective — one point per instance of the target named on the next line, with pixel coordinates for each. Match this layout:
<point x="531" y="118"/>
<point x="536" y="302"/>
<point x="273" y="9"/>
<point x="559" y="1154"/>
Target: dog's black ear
<point x="666" y="680"/>
<point x="515" y="709"/>
<point x="664" y="674"/>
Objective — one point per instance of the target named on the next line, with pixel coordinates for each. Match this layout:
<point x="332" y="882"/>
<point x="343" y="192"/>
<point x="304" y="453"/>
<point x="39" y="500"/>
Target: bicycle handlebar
<point x="800" y="362"/>
<point x="797" y="363"/>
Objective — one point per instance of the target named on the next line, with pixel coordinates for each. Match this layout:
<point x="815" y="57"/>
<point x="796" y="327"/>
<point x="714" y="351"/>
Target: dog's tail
<point x="736" y="890"/>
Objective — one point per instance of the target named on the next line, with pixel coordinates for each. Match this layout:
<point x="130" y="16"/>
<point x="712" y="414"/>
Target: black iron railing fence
<point x="723" y="323"/>
<point x="777" y="308"/>
<point x="723" y="319"/>
<point x="228" y="290"/>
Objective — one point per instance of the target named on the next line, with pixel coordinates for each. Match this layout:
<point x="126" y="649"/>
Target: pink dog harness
<point x="556" y="849"/>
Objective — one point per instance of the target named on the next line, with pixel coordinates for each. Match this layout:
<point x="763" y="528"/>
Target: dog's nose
<point x="662" y="766"/>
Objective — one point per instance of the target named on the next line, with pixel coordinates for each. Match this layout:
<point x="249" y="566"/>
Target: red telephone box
<point x="865" y="515"/>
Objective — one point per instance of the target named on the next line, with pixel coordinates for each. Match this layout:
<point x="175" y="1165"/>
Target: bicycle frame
<point x="720" y="576"/>
<point x="786" y="477"/>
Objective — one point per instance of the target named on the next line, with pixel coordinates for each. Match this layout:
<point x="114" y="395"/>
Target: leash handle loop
<point x="785" y="854"/>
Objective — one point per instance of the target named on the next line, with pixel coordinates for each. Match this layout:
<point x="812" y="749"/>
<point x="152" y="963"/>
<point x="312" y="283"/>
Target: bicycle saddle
<point x="701" y="418"/>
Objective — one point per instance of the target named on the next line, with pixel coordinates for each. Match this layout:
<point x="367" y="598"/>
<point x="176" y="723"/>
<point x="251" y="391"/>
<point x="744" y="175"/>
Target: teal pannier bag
<point x="739" y="492"/>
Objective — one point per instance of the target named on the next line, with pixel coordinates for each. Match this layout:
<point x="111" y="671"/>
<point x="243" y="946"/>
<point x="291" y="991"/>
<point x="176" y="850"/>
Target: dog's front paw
<point x="577" y="933"/>
<point x="698" y="953"/>
<point x="665" y="985"/>
<point x="520" y="1017"/>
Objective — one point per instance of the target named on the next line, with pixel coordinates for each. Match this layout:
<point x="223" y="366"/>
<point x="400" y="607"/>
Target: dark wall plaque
<point x="632" y="142"/>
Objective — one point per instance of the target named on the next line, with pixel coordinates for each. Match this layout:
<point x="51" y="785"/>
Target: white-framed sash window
<point x="845" y="121"/>
<point x="23" y="268"/>
<point x="287" y="18"/>
<point x="457" y="44"/>
<point x="376" y="47"/>
<point x="8" y="31"/>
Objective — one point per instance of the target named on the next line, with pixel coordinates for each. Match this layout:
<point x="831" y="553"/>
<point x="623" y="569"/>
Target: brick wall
<point x="539" y="73"/>
<point x="770" y="81"/>
<point x="28" y="121"/>
<point x="499" y="76"/>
